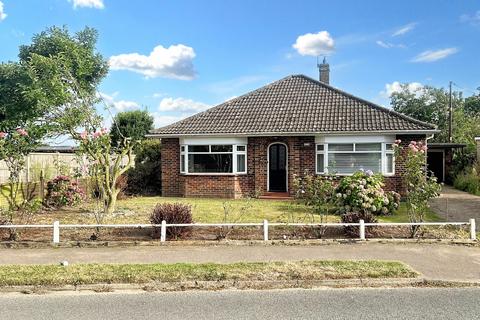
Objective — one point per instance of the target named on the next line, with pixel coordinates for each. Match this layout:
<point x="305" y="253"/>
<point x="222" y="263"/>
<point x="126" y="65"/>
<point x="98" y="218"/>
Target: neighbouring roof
<point x="446" y="145"/>
<point x="296" y="104"/>
<point x="55" y="149"/>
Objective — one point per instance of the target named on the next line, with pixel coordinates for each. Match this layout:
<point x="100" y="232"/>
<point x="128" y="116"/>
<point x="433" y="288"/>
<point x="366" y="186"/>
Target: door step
<point x="276" y="196"/>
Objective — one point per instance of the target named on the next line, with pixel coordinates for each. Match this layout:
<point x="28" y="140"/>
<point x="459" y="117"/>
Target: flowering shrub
<point x="420" y="186"/>
<point x="62" y="191"/>
<point x="363" y="193"/>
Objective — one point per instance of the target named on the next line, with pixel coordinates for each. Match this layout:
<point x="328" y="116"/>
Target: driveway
<point x="456" y="205"/>
<point x="434" y="261"/>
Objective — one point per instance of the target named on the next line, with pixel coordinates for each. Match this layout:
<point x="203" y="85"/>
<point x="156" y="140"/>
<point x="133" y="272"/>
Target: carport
<point x="439" y="159"/>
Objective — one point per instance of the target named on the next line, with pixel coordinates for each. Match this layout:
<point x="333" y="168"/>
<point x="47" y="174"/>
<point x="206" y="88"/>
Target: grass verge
<point x="81" y="274"/>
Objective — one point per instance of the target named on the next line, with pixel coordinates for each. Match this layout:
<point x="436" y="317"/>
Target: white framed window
<point x="347" y="158"/>
<point x="213" y="159"/>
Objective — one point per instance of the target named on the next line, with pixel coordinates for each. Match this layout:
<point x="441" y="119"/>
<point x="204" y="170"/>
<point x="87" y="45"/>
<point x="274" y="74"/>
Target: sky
<point x="175" y="58"/>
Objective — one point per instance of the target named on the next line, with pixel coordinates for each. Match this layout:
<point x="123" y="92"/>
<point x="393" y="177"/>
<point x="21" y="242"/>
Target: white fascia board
<point x="355" y="139"/>
<point x="197" y="140"/>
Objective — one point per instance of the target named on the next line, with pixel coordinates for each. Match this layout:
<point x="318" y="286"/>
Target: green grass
<point x="401" y="216"/>
<point x="54" y="275"/>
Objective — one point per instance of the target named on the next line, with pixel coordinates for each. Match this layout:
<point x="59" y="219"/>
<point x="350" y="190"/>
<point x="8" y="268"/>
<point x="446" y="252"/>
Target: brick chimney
<point x="324" y="71"/>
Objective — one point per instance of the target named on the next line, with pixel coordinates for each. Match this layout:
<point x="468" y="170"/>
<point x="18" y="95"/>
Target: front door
<point x="277" y="168"/>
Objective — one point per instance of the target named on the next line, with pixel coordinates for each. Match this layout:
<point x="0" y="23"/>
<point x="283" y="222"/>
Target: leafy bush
<point x="172" y="213"/>
<point x="355" y="217"/>
<point x="62" y="191"/>
<point x="145" y="177"/>
<point x="363" y="193"/>
<point x="469" y="180"/>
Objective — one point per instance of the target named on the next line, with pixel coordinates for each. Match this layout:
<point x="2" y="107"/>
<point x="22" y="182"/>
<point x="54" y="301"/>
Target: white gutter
<point x="281" y="134"/>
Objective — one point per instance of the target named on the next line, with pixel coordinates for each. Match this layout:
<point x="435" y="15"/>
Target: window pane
<point x="198" y="149"/>
<point x="340" y="147"/>
<point x="240" y="163"/>
<point x="320" y="163"/>
<point x="389" y="168"/>
<point x="182" y="148"/>
<point x="241" y="148"/>
<point x="222" y="148"/>
<point x="182" y="163"/>
<point x="388" y="146"/>
<point x="320" y="147"/>
<point x="198" y="163"/>
<point x="368" y="147"/>
<point x="348" y="163"/>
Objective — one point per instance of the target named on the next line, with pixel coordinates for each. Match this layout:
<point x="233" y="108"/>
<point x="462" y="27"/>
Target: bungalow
<point x="258" y="142"/>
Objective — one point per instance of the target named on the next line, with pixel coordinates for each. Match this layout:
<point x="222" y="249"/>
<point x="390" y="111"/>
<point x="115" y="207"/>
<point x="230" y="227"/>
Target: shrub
<point x="172" y="213"/>
<point x="145" y="177"/>
<point x="62" y="191"/>
<point x="468" y="180"/>
<point x="420" y="186"/>
<point x="355" y="217"/>
<point x="363" y="193"/>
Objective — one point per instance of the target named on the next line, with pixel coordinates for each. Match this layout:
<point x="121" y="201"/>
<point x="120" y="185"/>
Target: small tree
<point x="107" y="165"/>
<point x="14" y="148"/>
<point x="419" y="185"/>
<point x="133" y="124"/>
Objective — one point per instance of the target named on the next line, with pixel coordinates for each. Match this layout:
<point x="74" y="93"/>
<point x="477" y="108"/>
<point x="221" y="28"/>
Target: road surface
<point x="404" y="303"/>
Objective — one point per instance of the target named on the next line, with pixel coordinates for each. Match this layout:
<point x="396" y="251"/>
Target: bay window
<point x="347" y="158"/>
<point x="213" y="159"/>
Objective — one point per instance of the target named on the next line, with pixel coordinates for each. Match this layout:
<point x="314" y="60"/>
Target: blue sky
<point x="205" y="52"/>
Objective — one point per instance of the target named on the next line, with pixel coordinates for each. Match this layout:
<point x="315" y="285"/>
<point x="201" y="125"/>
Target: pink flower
<point x="398" y="141"/>
<point x="97" y="134"/>
<point x="104" y="130"/>
<point x="394" y="145"/>
<point x="22" y="132"/>
<point x="2" y="134"/>
<point x="424" y="148"/>
<point x="84" y="135"/>
<point x="413" y="143"/>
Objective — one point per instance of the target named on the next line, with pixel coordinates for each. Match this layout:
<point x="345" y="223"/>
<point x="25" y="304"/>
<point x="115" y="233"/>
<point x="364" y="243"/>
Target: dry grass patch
<point x="53" y="275"/>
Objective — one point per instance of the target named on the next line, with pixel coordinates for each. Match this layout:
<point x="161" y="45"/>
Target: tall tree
<point x="130" y="124"/>
<point x="428" y="104"/>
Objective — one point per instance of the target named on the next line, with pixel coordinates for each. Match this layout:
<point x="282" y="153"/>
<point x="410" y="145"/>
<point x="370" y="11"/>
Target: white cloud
<point x="315" y="44"/>
<point x="182" y="105"/>
<point x="391" y="88"/>
<point x="473" y="19"/>
<point x="158" y="95"/>
<point x="97" y="4"/>
<point x="434" y="55"/>
<point x="389" y="45"/>
<point x="3" y="15"/>
<point x="172" y="62"/>
<point x="161" y="120"/>
<point x="118" y="105"/>
<point x="405" y="29"/>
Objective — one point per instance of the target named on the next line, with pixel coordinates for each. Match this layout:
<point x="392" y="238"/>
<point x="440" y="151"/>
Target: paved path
<point x="456" y="205"/>
<point x="425" y="304"/>
<point x="434" y="261"/>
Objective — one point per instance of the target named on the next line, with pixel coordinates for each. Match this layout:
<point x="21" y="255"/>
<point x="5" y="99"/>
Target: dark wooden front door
<point x="277" y="168"/>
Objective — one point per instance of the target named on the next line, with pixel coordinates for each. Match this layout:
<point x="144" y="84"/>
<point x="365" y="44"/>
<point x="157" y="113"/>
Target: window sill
<point x="213" y="174"/>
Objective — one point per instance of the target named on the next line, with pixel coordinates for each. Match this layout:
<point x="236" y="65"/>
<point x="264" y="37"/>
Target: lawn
<point x="138" y="210"/>
<point x="76" y="274"/>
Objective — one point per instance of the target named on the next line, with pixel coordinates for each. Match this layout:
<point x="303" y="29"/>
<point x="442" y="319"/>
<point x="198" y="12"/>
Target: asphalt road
<point x="274" y="304"/>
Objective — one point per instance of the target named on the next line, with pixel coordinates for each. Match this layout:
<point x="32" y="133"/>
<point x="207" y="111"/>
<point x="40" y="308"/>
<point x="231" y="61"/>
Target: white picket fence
<point x="56" y="226"/>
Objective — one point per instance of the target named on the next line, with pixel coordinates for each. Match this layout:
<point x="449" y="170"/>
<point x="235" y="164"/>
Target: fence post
<point x="56" y="232"/>
<point x="473" y="231"/>
<point x="265" y="230"/>
<point x="362" y="229"/>
<point x="163" y="231"/>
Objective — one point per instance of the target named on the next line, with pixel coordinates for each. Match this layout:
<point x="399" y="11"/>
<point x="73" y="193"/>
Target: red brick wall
<point x="301" y="158"/>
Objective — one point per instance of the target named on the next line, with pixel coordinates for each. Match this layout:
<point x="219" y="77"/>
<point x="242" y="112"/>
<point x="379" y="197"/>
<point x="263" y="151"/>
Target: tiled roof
<point x="294" y="105"/>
